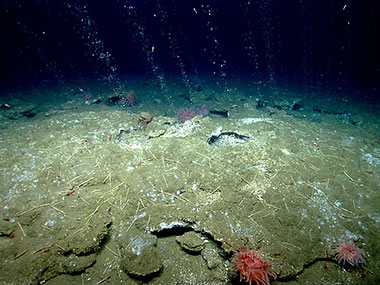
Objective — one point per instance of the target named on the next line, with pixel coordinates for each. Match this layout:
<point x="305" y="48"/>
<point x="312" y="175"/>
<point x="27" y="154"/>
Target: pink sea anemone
<point x="203" y="110"/>
<point x="347" y="252"/>
<point x="131" y="98"/>
<point x="186" y="114"/>
<point x="86" y="96"/>
<point x="252" y="267"/>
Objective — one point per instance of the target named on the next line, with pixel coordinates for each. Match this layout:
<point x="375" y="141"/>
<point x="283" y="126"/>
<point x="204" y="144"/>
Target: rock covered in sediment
<point x="191" y="241"/>
<point x="140" y="257"/>
<point x="212" y="257"/>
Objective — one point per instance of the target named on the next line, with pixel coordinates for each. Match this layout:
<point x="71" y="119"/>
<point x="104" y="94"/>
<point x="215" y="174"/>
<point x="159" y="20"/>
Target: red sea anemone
<point x="347" y="252"/>
<point x="252" y="267"/>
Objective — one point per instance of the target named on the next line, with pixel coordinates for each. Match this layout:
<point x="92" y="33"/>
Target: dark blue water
<point x="312" y="46"/>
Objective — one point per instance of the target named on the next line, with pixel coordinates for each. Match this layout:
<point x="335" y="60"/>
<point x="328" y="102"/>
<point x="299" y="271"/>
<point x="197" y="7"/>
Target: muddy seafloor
<point x="82" y="202"/>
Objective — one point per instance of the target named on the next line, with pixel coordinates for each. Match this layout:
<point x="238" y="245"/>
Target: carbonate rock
<point x="191" y="241"/>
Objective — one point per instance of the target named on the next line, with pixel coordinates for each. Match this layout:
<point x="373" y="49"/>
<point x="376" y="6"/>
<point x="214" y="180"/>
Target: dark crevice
<point x="180" y="230"/>
<point x="222" y="136"/>
<point x="294" y="276"/>
<point x="173" y="231"/>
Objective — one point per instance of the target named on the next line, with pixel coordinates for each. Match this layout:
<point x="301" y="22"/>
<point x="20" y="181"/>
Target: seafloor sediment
<point x="83" y="202"/>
